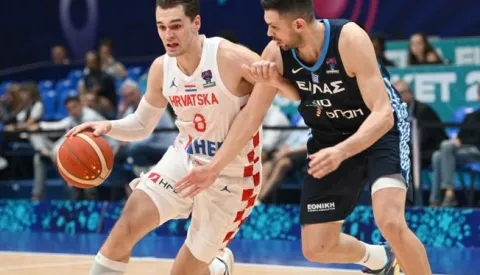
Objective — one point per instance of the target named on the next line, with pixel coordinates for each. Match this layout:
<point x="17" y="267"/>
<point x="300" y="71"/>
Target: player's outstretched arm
<point x="358" y="55"/>
<point x="143" y="121"/>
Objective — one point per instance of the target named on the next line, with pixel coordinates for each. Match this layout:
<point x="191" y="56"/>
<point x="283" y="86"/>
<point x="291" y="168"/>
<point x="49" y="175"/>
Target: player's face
<point x="90" y="100"/>
<point x="176" y="29"/>
<point x="74" y="108"/>
<point x="105" y="52"/>
<point x="417" y="45"/>
<point x="282" y="30"/>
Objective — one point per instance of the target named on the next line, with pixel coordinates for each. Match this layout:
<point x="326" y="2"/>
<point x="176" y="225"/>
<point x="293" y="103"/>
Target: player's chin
<point x="173" y="51"/>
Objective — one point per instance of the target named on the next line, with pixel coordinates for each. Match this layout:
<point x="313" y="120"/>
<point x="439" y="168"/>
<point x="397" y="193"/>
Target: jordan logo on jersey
<point x="173" y="84"/>
<point x="207" y="76"/>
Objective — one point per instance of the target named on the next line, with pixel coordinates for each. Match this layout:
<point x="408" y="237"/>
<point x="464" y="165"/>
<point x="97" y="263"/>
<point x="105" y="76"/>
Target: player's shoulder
<point x="351" y="34"/>
<point x="233" y="52"/>
<point x="272" y="52"/>
<point x="155" y="73"/>
<point x="157" y="66"/>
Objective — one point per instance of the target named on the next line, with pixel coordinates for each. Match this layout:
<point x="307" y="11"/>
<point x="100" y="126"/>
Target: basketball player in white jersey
<point x="203" y="80"/>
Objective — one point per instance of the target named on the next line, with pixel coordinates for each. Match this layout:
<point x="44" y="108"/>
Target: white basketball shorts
<point x="217" y="212"/>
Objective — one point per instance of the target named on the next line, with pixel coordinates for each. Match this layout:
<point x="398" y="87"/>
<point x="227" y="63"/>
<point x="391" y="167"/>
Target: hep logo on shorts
<point x="157" y="179"/>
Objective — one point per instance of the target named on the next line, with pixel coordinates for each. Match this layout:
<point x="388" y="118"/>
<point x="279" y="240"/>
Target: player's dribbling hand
<point x="99" y="128"/>
<point x="264" y="72"/>
<point x="325" y="161"/>
<point x="197" y="180"/>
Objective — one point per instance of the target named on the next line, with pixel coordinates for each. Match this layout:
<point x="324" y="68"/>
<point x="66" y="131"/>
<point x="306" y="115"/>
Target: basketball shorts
<point x="333" y="197"/>
<point x="216" y="213"/>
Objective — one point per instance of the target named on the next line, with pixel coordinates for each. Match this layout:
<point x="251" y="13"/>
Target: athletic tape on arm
<point x="138" y="125"/>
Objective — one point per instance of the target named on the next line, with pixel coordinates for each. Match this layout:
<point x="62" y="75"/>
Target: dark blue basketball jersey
<point x="331" y="102"/>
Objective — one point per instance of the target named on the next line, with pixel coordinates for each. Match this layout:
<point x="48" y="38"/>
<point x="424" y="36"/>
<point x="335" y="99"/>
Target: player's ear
<point x="197" y="22"/>
<point x="299" y="24"/>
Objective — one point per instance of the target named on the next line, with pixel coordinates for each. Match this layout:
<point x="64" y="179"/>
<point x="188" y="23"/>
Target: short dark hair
<point x="72" y="98"/>
<point x="300" y="8"/>
<point x="191" y="7"/>
<point x="107" y="43"/>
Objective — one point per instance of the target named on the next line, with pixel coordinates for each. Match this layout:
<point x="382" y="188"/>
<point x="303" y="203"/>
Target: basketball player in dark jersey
<point x="359" y="136"/>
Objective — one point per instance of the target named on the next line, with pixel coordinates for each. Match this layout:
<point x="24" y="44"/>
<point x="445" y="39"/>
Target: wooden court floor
<point x="16" y="263"/>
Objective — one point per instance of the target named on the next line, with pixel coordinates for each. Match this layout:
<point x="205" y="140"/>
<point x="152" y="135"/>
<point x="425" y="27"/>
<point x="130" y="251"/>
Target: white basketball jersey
<point x="205" y="111"/>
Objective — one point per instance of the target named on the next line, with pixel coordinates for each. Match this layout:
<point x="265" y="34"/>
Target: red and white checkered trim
<point x="249" y="196"/>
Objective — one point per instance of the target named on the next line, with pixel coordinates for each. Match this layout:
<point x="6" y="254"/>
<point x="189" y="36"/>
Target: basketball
<point x="84" y="160"/>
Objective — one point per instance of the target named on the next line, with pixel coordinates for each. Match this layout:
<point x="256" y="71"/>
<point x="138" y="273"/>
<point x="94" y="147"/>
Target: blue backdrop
<point x="29" y="28"/>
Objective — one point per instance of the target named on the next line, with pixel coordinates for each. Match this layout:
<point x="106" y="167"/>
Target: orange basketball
<point x="85" y="161"/>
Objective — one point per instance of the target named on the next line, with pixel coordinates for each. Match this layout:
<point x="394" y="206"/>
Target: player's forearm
<point x="244" y="127"/>
<point x="287" y="90"/>
<point x="56" y="125"/>
<point x="138" y="125"/>
<point x="372" y="129"/>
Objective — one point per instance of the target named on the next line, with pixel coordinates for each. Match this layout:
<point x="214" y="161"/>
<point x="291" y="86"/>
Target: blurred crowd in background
<point x="35" y="115"/>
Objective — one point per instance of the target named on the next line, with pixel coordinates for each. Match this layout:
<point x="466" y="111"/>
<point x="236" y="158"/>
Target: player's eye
<point x="176" y="27"/>
<point x="162" y="28"/>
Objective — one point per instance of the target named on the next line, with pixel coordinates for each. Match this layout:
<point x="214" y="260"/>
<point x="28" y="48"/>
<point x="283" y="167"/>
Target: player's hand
<point x="197" y="180"/>
<point x="325" y="161"/>
<point x="264" y="72"/>
<point x="99" y="128"/>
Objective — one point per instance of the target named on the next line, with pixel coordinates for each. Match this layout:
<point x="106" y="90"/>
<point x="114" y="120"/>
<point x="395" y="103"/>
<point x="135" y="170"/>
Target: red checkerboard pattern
<point x="249" y="195"/>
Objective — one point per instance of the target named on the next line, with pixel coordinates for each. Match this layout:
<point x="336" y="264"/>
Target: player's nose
<point x="169" y="34"/>
<point x="269" y="32"/>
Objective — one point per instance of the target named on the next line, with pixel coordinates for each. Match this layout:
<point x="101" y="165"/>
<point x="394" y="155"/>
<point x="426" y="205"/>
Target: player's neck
<point x="313" y="43"/>
<point x="189" y="61"/>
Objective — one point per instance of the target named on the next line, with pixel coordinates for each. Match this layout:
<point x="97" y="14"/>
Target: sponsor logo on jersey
<point x="325" y="106"/>
<point x="203" y="147"/>
<point x="190" y="88"/>
<point x="316" y="104"/>
<point x="320" y="207"/>
<point x="332" y="65"/>
<point x="190" y="100"/>
<point x="207" y="76"/>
